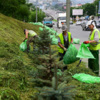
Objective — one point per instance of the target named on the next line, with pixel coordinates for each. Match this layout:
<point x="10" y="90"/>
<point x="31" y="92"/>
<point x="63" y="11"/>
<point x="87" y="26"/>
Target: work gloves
<point x="86" y="42"/>
<point x="65" y="49"/>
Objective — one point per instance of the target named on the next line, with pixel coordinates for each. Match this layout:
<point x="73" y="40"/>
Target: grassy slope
<point x="15" y="64"/>
<point x="12" y="60"/>
<point x="11" y="30"/>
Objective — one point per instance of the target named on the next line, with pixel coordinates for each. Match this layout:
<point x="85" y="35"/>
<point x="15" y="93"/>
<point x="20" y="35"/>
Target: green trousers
<point x="94" y="63"/>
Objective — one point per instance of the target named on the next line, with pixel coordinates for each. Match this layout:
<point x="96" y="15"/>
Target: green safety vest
<point x="31" y="33"/>
<point x="60" y="50"/>
<point x="94" y="46"/>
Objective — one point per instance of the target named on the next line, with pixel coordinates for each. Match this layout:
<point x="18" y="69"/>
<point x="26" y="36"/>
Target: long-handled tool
<point x="79" y="62"/>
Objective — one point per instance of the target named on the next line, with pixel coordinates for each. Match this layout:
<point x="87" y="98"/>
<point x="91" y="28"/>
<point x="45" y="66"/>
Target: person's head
<point x="91" y="25"/>
<point x="25" y="31"/>
<point x="91" y="17"/>
<point x="64" y="28"/>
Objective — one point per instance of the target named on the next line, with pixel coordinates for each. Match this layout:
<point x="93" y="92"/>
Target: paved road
<point x="52" y="13"/>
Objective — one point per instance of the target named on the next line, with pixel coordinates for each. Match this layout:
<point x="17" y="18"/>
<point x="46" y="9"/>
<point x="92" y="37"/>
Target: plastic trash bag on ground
<point x="36" y="23"/>
<point x="70" y="55"/>
<point x="52" y="36"/>
<point x="84" y="52"/>
<point x="86" y="78"/>
<point x="76" y="41"/>
<point x="54" y="41"/>
<point x="47" y="28"/>
<point x="40" y="28"/>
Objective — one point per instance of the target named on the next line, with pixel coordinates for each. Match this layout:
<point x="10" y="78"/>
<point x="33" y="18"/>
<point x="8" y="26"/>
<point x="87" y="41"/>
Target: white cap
<point x="91" y="22"/>
<point x="64" y="28"/>
<point x="91" y="17"/>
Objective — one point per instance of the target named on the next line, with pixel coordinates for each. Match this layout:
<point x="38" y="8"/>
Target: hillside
<point x="11" y="30"/>
<point x="13" y="62"/>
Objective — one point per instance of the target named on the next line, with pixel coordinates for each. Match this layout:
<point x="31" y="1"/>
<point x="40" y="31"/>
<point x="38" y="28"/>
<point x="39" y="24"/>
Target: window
<point x="62" y="18"/>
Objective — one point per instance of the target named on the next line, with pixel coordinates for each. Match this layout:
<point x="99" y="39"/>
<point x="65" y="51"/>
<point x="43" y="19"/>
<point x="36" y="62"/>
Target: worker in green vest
<point x="94" y="40"/>
<point x="30" y="35"/>
<point x="64" y="40"/>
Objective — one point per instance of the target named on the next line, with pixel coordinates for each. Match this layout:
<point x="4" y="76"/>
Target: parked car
<point x="84" y="27"/>
<point x="71" y="22"/>
<point x="48" y="21"/>
<point x="98" y="23"/>
<point x="78" y="23"/>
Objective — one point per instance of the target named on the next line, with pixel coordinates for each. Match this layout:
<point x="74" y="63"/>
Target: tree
<point x="48" y="64"/>
<point x="40" y="15"/>
<point x="9" y="7"/>
<point x="89" y="9"/>
<point x="23" y="12"/>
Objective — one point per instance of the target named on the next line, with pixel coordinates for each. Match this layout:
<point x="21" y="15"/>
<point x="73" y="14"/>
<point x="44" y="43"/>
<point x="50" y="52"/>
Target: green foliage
<point x="89" y="9"/>
<point x="65" y="93"/>
<point x="47" y="70"/>
<point x="23" y="12"/>
<point x="9" y="94"/>
<point x="96" y="2"/>
<point x="9" y="7"/>
<point x="20" y="10"/>
<point x="43" y="42"/>
<point x="40" y="16"/>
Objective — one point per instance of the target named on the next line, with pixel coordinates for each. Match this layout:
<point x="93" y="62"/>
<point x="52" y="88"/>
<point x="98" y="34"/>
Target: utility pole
<point x="36" y="9"/>
<point x="68" y="14"/>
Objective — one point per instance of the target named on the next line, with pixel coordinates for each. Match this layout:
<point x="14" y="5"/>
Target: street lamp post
<point x="68" y="14"/>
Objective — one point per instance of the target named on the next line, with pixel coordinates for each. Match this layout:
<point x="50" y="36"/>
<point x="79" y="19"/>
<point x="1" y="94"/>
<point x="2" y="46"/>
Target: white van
<point x="61" y="19"/>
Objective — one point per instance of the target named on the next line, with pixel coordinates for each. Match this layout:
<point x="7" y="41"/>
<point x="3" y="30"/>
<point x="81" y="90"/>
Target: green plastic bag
<point x="84" y="52"/>
<point x="37" y="23"/>
<point x="70" y="55"/>
<point x="86" y="78"/>
<point x="52" y="36"/>
<point x="40" y="28"/>
<point x="47" y="28"/>
<point x="76" y="41"/>
<point x="23" y="45"/>
<point x="54" y="41"/>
